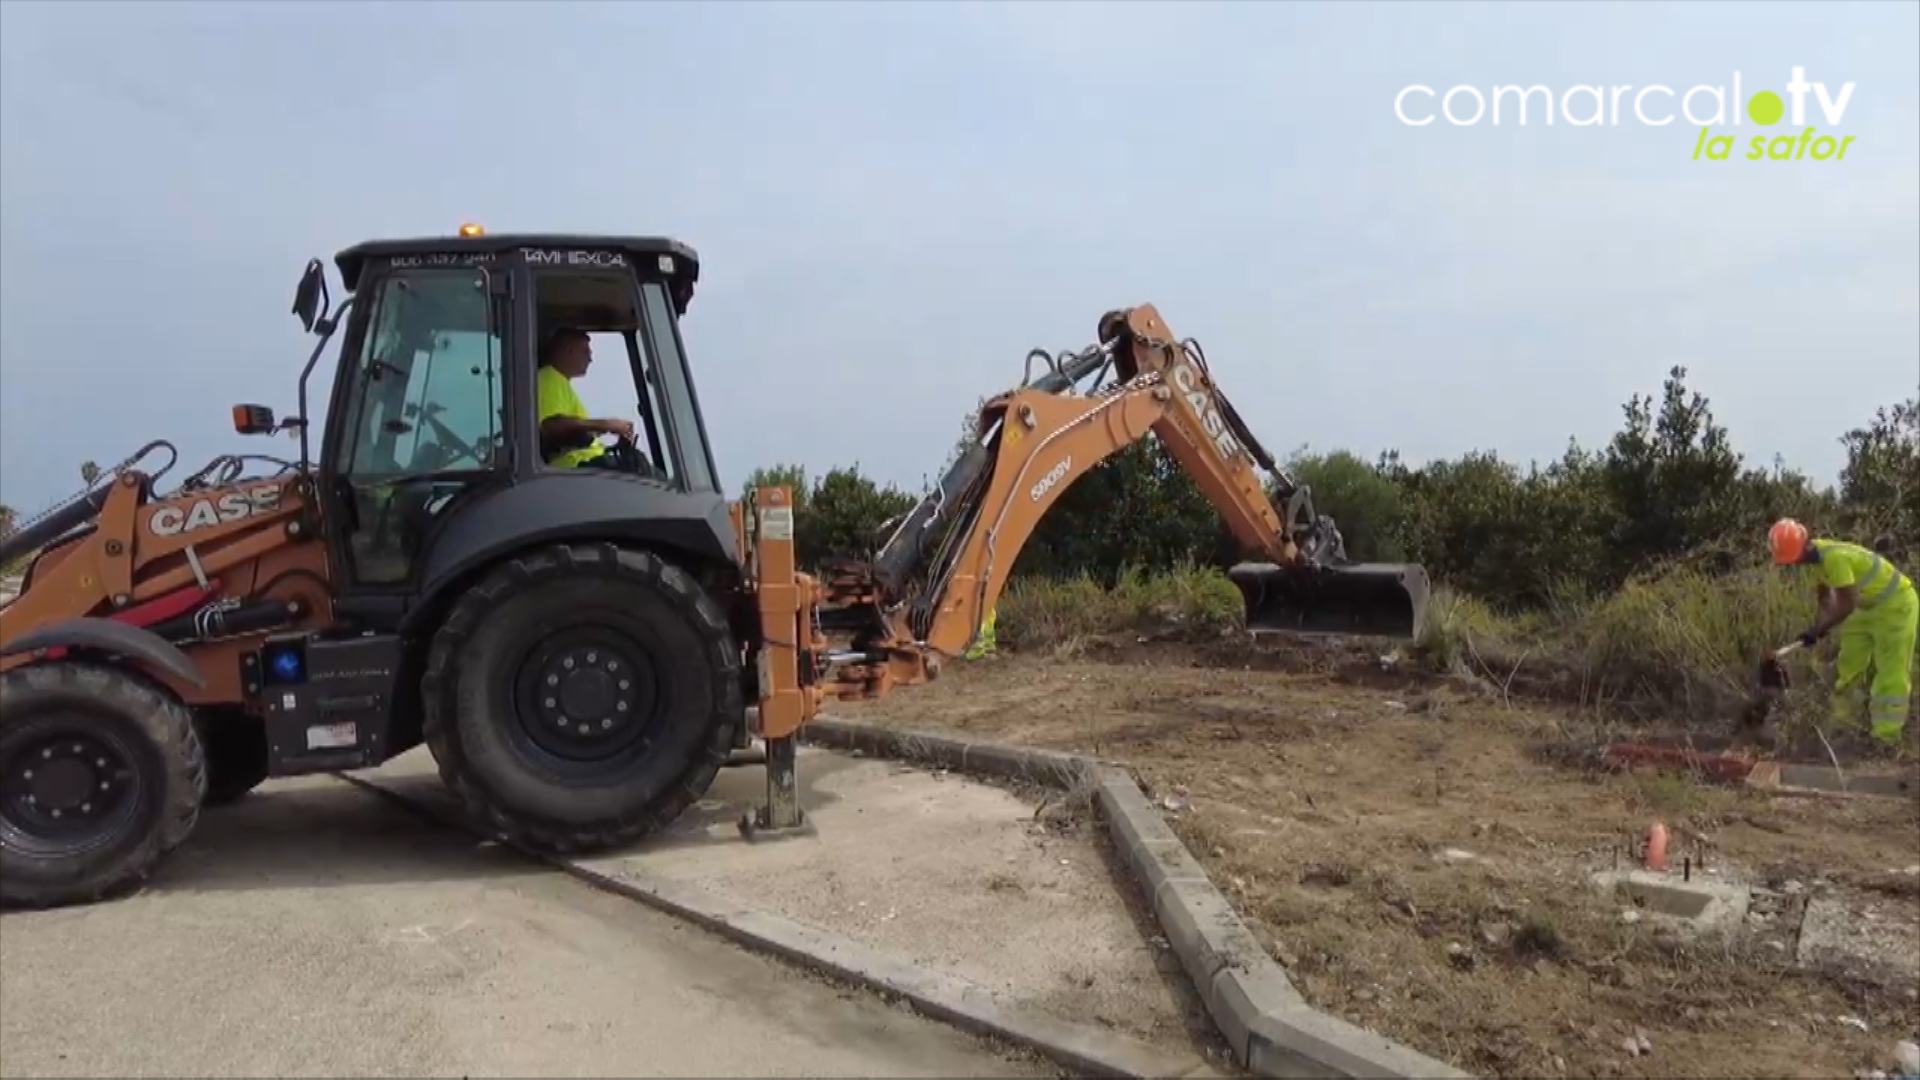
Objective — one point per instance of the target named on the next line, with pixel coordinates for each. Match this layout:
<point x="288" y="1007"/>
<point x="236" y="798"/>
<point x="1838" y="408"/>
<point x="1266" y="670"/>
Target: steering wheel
<point x="626" y="454"/>
<point x="449" y="440"/>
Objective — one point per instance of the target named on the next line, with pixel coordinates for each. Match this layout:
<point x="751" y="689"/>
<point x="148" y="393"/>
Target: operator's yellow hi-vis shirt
<point x="554" y="396"/>
<point x="1880" y="634"/>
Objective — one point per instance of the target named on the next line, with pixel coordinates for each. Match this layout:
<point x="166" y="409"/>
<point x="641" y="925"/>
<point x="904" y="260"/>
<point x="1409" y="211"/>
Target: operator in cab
<point x="567" y="434"/>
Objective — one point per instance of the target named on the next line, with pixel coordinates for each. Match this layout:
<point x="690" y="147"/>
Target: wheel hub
<point x="588" y="692"/>
<point x="66" y="781"/>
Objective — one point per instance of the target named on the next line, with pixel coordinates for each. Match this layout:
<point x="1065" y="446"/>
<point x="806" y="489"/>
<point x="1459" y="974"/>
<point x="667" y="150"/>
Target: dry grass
<point x="1674" y="643"/>
<point x="1334" y="816"/>
<point x="1324" y="790"/>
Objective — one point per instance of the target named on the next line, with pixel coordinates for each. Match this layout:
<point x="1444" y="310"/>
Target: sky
<point x="894" y="202"/>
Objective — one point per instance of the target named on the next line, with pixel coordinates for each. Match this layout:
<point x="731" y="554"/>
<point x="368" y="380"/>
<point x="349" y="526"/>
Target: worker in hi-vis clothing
<point x="1876" y="610"/>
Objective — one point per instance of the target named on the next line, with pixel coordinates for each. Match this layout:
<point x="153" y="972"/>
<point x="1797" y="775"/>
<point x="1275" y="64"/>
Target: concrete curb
<point x="1084" y="1049"/>
<point x="1047" y="768"/>
<point x="1272" y="1031"/>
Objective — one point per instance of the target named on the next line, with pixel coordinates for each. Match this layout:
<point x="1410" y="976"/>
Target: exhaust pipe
<point x="1385" y="600"/>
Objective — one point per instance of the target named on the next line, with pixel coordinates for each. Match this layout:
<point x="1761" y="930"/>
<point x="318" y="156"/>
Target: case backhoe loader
<point x="582" y="649"/>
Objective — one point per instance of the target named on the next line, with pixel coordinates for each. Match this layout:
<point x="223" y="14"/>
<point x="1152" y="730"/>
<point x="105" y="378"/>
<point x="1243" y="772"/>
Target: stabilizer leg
<point x="782" y="814"/>
<point x="788" y="647"/>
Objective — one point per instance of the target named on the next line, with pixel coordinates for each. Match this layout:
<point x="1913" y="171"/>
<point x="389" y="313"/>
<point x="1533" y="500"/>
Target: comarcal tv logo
<point x="1706" y="106"/>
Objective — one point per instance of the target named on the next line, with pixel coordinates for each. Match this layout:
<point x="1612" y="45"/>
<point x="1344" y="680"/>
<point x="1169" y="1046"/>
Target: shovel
<point x="1770" y="682"/>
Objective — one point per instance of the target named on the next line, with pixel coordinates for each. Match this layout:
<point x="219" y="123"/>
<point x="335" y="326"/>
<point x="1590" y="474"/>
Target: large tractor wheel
<point x="236" y="752"/>
<point x="582" y="696"/>
<point x="101" y="776"/>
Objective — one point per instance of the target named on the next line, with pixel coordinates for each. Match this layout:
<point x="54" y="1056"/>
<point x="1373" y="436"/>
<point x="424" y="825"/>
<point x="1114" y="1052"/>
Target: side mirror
<point x="308" y="295"/>
<point x="253" y="420"/>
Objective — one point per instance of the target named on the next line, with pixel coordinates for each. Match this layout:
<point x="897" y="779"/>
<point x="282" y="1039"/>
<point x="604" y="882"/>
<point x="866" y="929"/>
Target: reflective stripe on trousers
<point x="1882" y="641"/>
<point x="1886" y="713"/>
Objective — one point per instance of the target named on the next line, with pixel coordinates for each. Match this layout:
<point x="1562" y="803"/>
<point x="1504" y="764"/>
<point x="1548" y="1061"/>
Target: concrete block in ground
<point x="1307" y="1043"/>
<point x="1239" y="997"/>
<point x="918" y="747"/>
<point x="1127" y="809"/>
<point x="1826" y="778"/>
<point x="1837" y="936"/>
<point x="1151" y="850"/>
<point x="1043" y="767"/>
<point x="1047" y="768"/>
<point x="1205" y="931"/>
<point x="1707" y="906"/>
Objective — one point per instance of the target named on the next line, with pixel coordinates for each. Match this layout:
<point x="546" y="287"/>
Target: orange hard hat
<point x="1788" y="541"/>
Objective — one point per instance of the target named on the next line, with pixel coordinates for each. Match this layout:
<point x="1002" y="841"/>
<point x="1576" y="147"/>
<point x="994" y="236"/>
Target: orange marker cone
<point x="1657" y="846"/>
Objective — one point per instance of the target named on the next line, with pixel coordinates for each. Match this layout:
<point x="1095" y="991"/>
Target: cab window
<point x="623" y="380"/>
<point x="424" y="413"/>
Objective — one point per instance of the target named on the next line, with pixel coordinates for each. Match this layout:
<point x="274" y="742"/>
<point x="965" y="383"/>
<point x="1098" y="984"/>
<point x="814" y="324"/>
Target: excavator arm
<point x="942" y="568"/>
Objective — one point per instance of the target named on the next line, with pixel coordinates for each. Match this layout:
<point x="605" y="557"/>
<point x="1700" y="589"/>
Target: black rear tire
<point x="582" y="696"/>
<point x="236" y="751"/>
<point x="101" y="776"/>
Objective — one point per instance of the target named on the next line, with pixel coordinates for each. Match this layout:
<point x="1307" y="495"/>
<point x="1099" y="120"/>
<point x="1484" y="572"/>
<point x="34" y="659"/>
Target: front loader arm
<point x="941" y="571"/>
<point x="185" y="568"/>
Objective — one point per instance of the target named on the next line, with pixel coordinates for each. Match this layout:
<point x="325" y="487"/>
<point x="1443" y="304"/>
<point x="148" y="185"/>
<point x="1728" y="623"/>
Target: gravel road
<point x="376" y="945"/>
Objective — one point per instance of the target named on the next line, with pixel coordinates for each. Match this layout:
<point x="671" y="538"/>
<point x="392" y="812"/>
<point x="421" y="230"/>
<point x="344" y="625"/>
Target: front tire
<point x="101" y="776"/>
<point x="582" y="696"/>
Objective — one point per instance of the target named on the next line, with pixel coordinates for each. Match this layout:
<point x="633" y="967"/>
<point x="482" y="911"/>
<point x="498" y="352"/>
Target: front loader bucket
<point x="1363" y="600"/>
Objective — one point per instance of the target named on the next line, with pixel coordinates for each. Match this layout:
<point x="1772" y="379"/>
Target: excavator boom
<point x="943" y="566"/>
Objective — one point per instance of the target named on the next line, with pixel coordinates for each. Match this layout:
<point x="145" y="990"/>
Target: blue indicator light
<point x="286" y="666"/>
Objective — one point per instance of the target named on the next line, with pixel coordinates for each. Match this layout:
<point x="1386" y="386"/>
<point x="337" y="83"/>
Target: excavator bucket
<point x="1362" y="600"/>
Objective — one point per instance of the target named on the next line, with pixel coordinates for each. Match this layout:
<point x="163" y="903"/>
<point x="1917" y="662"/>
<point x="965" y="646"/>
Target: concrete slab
<point x="1827" y="778"/>
<point x="935" y="869"/>
<point x="1704" y="905"/>
<point x="1270" y="1030"/>
<point x="1852" y="937"/>
<point x="312" y="930"/>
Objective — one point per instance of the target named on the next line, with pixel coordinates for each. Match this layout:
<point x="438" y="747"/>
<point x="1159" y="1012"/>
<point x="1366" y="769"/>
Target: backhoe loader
<point x="581" y="649"/>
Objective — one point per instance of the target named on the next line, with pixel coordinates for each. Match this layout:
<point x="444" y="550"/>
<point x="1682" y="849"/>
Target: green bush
<point x="1631" y="574"/>
<point x="838" y="515"/>
<point x="1363" y="499"/>
<point x="1191" y="602"/>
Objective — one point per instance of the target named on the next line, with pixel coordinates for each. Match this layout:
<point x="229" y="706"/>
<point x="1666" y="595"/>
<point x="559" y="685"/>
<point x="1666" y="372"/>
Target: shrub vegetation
<point x="1631" y="576"/>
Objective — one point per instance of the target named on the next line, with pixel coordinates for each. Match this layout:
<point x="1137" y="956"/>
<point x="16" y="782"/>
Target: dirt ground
<point x="1418" y="856"/>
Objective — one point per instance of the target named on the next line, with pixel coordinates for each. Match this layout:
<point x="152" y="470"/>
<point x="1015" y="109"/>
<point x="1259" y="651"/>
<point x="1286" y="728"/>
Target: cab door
<point x="420" y="420"/>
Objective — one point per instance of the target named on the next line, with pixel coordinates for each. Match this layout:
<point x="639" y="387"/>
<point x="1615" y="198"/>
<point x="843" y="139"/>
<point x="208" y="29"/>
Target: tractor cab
<point x="440" y="392"/>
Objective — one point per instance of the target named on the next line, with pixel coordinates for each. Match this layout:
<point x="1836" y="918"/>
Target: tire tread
<point x="167" y="724"/>
<point x="569" y="562"/>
